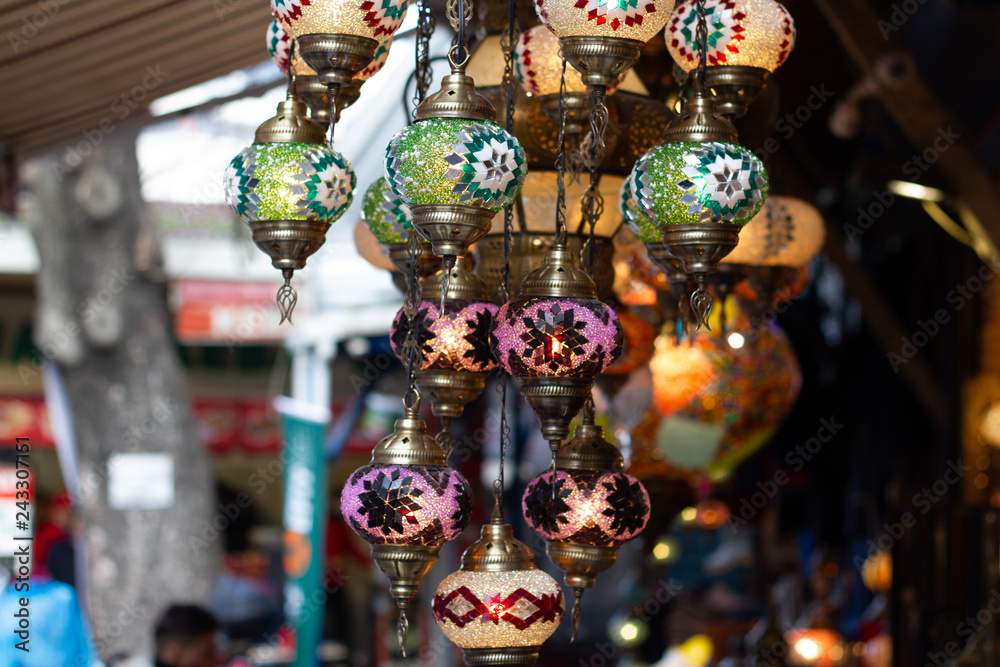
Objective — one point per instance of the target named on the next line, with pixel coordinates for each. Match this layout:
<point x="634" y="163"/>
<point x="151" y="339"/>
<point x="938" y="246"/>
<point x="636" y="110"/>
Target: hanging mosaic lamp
<point x="747" y="40"/>
<point x="498" y="608"/>
<point x="538" y="67"/>
<point x="700" y="188"/>
<point x="585" y="509"/>
<point x="556" y="337"/>
<point x="339" y="38"/>
<point x="454" y="166"/>
<point x="406" y="504"/>
<point x="310" y="89"/>
<point x="603" y="38"/>
<point x="455" y="357"/>
<point x="786" y="232"/>
<point x="289" y="188"/>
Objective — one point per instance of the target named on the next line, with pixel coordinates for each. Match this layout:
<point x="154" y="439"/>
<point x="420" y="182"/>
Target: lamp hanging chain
<point x="459" y="13"/>
<point x="561" y="162"/>
<point x="507" y="43"/>
<point x="411" y="346"/>
<point x="424" y="73"/>
<point x="701" y="40"/>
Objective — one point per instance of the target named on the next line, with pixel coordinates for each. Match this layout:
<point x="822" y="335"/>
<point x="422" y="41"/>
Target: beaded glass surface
<point x="641" y="226"/>
<point x="627" y="19"/>
<point x="385" y="214"/>
<point x="458" y="341"/>
<point x="376" y="19"/>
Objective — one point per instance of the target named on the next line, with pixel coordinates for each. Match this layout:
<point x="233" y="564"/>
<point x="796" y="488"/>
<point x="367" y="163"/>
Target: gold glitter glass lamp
<point x="454" y="166"/>
<point x="289" y="188"/>
<point x="747" y="40"/>
<point x="603" y="38"/>
<point x="339" y="39"/>
<point x="406" y="504"/>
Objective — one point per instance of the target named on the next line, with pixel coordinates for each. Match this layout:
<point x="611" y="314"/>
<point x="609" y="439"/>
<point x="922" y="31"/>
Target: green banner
<point x="305" y="523"/>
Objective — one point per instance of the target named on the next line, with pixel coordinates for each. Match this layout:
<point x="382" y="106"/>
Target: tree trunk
<point x="102" y="318"/>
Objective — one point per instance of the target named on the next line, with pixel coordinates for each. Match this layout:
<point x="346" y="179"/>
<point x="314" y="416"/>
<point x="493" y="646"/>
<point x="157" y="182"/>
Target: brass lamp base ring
<point x="315" y="94"/>
<point x="576" y="106"/>
<point x="600" y="60"/>
<point x="700" y="246"/>
<point x="336" y="57"/>
<point x="735" y="87"/>
<point x="451" y="228"/>
<point x="449" y="391"/>
<point x="405" y="565"/>
<point x="581" y="562"/>
<point x="556" y="401"/>
<point x="515" y="656"/>
<point x="289" y="242"/>
<point x="427" y="263"/>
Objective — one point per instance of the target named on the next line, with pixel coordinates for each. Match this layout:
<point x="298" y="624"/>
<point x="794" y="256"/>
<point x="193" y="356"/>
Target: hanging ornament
<point x="538" y="66"/>
<point x="746" y="41"/>
<point x="585" y="509"/>
<point x="454" y="166"/>
<point x="786" y="232"/>
<point x="289" y="188"/>
<point x="454" y="340"/>
<point x="556" y="337"/>
<point x="339" y="38"/>
<point x="699" y="187"/>
<point x="406" y="503"/>
<point x="603" y="38"/>
<point x="498" y="608"/>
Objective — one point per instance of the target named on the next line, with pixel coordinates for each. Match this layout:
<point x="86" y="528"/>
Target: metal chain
<point x="701" y="40"/>
<point x="561" y="162"/>
<point x="411" y="346"/>
<point x="507" y="41"/>
<point x="459" y="13"/>
<point x="424" y="72"/>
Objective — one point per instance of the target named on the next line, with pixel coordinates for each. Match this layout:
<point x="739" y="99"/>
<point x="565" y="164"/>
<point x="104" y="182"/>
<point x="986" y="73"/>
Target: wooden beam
<point x="906" y="96"/>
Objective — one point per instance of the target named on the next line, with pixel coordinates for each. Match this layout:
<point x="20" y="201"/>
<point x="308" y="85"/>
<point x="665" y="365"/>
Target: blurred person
<point x="54" y="529"/>
<point x="185" y="637"/>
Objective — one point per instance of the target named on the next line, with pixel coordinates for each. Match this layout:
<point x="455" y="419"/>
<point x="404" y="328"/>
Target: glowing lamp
<point x="786" y="232"/>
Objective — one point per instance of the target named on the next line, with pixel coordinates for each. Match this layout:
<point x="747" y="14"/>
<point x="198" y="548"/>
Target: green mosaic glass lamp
<point x="289" y="188"/>
<point x="454" y="166"/>
<point x="700" y="188"/>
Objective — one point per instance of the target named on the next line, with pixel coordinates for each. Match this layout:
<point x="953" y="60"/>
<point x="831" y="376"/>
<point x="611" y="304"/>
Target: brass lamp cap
<point x="409" y="444"/>
<point x="497" y="551"/>
<point x="698" y="121"/>
<point x="588" y="450"/>
<point x="290" y="125"/>
<point x="463" y="284"/>
<point x="559" y="277"/>
<point x="456" y="99"/>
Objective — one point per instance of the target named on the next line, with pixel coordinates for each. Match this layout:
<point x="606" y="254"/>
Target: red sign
<point x="234" y="313"/>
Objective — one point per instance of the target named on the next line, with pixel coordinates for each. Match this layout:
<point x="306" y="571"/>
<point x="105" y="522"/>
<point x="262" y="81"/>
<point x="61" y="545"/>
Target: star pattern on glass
<point x="384" y="15"/>
<point x="626" y="505"/>
<point x="390" y="500"/>
<point x="725" y="31"/>
<point x="422" y="338"/>
<point x="479" y="354"/>
<point x="287" y="11"/>
<point x="240" y="183"/>
<point x="616" y="13"/>
<point x="325" y="182"/>
<point x="788" y="33"/>
<point x="485" y="165"/>
<point x="521" y="608"/>
<point x="545" y="508"/>
<point x="722" y="184"/>
<point x="554" y="337"/>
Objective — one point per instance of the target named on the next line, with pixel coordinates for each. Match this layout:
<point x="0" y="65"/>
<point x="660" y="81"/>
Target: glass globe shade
<point x="478" y="610"/>
<point x="721" y="399"/>
<point x="388" y="218"/>
<point x="696" y="182"/>
<point x="538" y="64"/>
<point x="641" y="226"/>
<point x="786" y="232"/>
<point x="375" y="19"/>
<point x="377" y="63"/>
<point x="289" y="181"/>
<point x="535" y="337"/>
<point x="455" y="161"/>
<point x="279" y="45"/>
<point x="538" y="197"/>
<point x="593" y="507"/>
<point x="370" y="249"/>
<point x="815" y="647"/>
<point x="604" y="18"/>
<point x="458" y="341"/>
<point x="749" y="33"/>
<point x="416" y="505"/>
